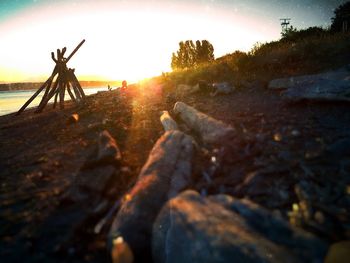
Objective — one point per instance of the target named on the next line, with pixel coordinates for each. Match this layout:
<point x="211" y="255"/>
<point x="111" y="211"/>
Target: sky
<point x="134" y="39"/>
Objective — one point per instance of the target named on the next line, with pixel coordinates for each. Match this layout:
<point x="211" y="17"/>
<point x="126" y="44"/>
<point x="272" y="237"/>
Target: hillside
<point x="304" y="54"/>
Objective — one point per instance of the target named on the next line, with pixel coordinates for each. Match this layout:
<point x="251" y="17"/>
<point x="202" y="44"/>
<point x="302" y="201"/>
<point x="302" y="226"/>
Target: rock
<point x="74" y="118"/>
<point x="191" y="228"/>
<point x="269" y="185"/>
<point x="320" y="90"/>
<point x="297" y="81"/>
<point x="328" y="86"/>
<point x="210" y="129"/>
<point x="108" y="150"/>
<point x="166" y="172"/>
<point x="222" y="88"/>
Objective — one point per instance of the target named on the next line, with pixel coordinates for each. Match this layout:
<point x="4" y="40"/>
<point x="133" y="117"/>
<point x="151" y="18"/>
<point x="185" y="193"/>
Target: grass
<point x="304" y="55"/>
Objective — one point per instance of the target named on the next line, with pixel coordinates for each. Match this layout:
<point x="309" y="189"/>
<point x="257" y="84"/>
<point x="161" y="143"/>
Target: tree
<point x="292" y="34"/>
<point x="190" y="54"/>
<point x="288" y="32"/>
<point x="341" y="18"/>
<point x="204" y="51"/>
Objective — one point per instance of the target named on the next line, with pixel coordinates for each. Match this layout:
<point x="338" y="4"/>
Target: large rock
<point x="286" y="83"/>
<point x="191" y="228"/>
<point x="166" y="172"/>
<point x="222" y="88"/>
<point x="329" y="86"/>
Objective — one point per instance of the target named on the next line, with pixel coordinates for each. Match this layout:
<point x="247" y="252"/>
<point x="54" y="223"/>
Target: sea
<point x="12" y="101"/>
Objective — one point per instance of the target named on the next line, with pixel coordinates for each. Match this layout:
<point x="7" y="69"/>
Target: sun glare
<point x="122" y="42"/>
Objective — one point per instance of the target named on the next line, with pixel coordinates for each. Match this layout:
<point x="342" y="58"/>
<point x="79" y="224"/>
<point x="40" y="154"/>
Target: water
<point x="12" y="101"/>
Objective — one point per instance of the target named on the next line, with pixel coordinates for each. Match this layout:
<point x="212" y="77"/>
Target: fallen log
<point x="168" y="123"/>
<point x="166" y="172"/>
<point x="210" y="129"/>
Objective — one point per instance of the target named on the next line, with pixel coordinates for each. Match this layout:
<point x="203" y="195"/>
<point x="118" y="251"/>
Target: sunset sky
<point x="134" y="39"/>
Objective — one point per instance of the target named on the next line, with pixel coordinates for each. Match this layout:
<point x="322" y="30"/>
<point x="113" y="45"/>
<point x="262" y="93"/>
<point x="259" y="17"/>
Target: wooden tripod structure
<point x="65" y="80"/>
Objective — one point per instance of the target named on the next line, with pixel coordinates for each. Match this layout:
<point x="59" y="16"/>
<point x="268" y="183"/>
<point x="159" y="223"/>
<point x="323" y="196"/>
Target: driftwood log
<point x="168" y="123"/>
<point x="210" y="129"/>
<point x="166" y="172"/>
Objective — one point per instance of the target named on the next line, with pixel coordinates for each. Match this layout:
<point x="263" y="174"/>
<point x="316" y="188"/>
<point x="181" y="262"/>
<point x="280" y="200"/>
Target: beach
<point x="42" y="155"/>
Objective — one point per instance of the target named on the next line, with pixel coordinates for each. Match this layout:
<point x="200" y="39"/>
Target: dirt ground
<point x="291" y="158"/>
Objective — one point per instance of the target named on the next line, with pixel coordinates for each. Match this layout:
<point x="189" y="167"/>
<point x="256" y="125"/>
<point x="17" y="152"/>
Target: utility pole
<point x="284" y="24"/>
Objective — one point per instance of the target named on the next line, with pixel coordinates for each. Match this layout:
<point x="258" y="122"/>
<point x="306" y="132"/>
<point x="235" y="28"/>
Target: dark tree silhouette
<point x="292" y="34"/>
<point x="190" y="54"/>
<point x="341" y="18"/>
<point x="204" y="51"/>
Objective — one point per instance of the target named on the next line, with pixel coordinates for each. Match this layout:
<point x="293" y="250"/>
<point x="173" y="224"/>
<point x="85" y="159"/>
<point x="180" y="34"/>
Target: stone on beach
<point x="191" y="228"/>
<point x="328" y="86"/>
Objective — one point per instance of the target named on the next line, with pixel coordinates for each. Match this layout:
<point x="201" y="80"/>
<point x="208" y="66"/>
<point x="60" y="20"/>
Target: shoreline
<point x="17" y="86"/>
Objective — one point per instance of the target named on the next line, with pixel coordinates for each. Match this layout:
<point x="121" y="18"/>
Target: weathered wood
<point x="63" y="51"/>
<point x="56" y="97"/>
<point x="168" y="123"/>
<point x="74" y="80"/>
<point x="76" y="92"/>
<point x="50" y="95"/>
<point x="65" y="76"/>
<point x="70" y="93"/>
<point x="53" y="57"/>
<point x="48" y="86"/>
<point x="75" y="50"/>
<point x="62" y="93"/>
<point x="32" y="97"/>
<point x="210" y="129"/>
<point x="166" y="172"/>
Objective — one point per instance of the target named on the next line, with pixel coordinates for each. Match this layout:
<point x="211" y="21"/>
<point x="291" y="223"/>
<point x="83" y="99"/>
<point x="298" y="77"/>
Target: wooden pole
<point x="80" y="89"/>
<point x="48" y="86"/>
<point x="73" y="79"/>
<point x="76" y="92"/>
<point x="32" y="97"/>
<point x="62" y="93"/>
<point x="75" y="50"/>
<point x="70" y="93"/>
<point x="51" y="94"/>
<point x="55" y="100"/>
